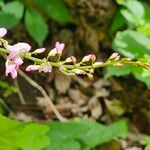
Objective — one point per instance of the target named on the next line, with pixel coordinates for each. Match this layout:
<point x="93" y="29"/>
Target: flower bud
<point x="89" y="57"/>
<point x="32" y="68"/>
<point x="70" y="59"/>
<point x="3" y="32"/>
<point x="53" y="52"/>
<point x="60" y="47"/>
<point x="115" y="56"/>
<point x="79" y="71"/>
<point x="40" y="50"/>
<point x="96" y="64"/>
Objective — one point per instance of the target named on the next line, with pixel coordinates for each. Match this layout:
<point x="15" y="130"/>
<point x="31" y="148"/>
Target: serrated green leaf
<point x="36" y="25"/>
<point x="55" y="9"/>
<point x="132" y="44"/>
<point x="15" y="8"/>
<point x="7" y="20"/>
<point x="24" y="136"/>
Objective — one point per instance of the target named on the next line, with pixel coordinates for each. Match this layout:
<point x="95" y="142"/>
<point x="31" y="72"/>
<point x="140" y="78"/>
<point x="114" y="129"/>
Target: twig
<point x="38" y="87"/>
<point x="19" y="92"/>
<point x="5" y="106"/>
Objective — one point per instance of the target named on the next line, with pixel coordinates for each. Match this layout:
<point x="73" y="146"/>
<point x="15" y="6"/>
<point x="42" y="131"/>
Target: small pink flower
<point x="11" y="69"/>
<point x="60" y="47"/>
<point x="32" y="68"/>
<point x="71" y="59"/>
<point x="3" y="32"/>
<point x="39" y="50"/>
<point x="89" y="57"/>
<point x="17" y="50"/>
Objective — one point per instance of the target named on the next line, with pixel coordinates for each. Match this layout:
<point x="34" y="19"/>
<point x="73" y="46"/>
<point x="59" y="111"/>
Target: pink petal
<point x="114" y="55"/>
<point x="3" y="32"/>
<point x="18" y="61"/>
<point x="87" y="58"/>
<point x="32" y="68"/>
<point x="40" y="50"/>
<point x="9" y="68"/>
<point x="14" y="74"/>
<point x="59" y="46"/>
<point x="13" y="51"/>
<point x="24" y="47"/>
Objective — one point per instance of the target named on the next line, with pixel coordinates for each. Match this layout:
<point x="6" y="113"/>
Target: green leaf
<point x="55" y="9"/>
<point x="15" y="8"/>
<point x="143" y="76"/>
<point x="36" y="25"/>
<point x="25" y="136"/>
<point x="118" y="22"/>
<point x="132" y="44"/>
<point x="121" y="71"/>
<point x="78" y="132"/>
<point x="130" y="13"/>
<point x="140" y="73"/>
<point x="7" y="20"/>
<point x="135" y="6"/>
<point x="147" y="147"/>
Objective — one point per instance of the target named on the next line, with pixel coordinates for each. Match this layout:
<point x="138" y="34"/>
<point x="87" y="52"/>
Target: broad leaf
<point x="24" y="136"/>
<point x="36" y="25"/>
<point x="132" y="44"/>
<point x="7" y="20"/>
<point x="15" y="8"/>
<point x="55" y="9"/>
<point x="117" y="22"/>
<point x="83" y="135"/>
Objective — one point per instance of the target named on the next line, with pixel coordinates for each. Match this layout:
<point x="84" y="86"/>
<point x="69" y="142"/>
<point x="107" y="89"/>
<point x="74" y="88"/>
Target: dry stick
<point x="19" y="92"/>
<point x="5" y="106"/>
<point x="37" y="86"/>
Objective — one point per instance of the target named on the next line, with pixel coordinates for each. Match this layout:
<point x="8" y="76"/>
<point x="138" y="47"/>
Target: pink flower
<point x="32" y="68"/>
<point x="60" y="47"/>
<point x="11" y="69"/>
<point x="3" y="32"/>
<point x="89" y="57"/>
<point x="17" y="49"/>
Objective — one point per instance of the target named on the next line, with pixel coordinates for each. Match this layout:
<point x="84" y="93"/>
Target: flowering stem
<point x="59" y="64"/>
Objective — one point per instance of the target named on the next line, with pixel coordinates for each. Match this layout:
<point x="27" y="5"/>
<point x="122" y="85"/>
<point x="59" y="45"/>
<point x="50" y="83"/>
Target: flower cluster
<point x="20" y="51"/>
